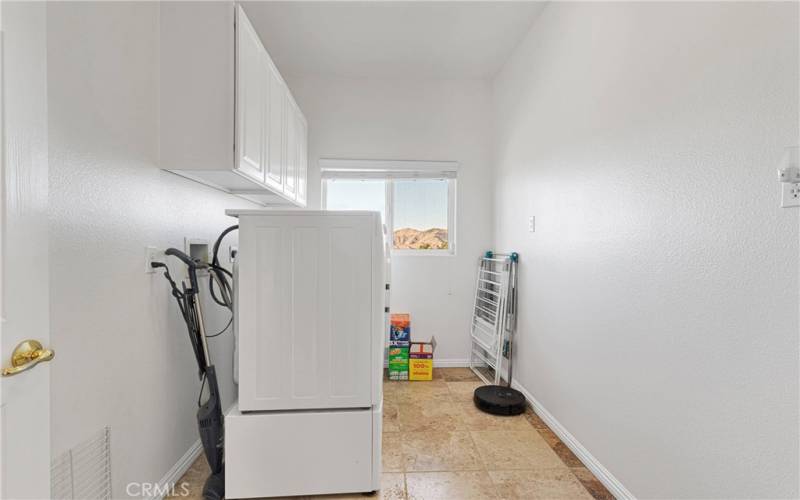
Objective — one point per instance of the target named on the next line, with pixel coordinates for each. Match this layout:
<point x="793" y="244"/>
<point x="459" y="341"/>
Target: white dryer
<point x="310" y="325"/>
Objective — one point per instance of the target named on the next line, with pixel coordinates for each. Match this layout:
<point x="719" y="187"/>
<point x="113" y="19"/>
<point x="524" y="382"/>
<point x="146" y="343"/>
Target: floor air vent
<point x="83" y="472"/>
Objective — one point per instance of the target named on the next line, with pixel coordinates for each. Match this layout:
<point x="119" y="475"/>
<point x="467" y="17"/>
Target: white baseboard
<point x="609" y="481"/>
<point x="169" y="482"/>
<point x="171" y="478"/>
<point x="443" y="363"/>
<point x="450" y="363"/>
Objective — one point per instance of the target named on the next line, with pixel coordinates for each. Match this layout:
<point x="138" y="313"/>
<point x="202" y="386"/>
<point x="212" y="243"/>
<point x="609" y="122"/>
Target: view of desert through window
<point x="418" y="208"/>
<point x="420" y="214"/>
<point x="420" y="239"/>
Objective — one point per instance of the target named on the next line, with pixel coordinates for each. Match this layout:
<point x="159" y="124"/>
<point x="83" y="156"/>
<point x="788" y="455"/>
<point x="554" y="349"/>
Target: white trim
<point x="386" y="174"/>
<point x="451" y="363"/>
<point x="361" y="168"/>
<point x="427" y="252"/>
<point x="388" y="210"/>
<point x="600" y="472"/>
<point x="178" y="470"/>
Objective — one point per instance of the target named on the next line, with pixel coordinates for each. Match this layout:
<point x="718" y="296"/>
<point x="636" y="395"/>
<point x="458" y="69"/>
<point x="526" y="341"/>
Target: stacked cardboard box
<point x="420" y="364"/>
<point x="399" y="342"/>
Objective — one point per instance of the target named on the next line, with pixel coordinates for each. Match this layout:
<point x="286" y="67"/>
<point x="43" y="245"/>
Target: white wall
<point x="414" y="120"/>
<point x="659" y="313"/>
<point x="123" y="354"/>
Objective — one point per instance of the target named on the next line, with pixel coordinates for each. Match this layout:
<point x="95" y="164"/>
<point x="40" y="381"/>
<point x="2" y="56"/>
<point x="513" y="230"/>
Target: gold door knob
<point x="26" y="355"/>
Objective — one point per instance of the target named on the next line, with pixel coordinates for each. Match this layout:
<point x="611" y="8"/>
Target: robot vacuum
<point x="499" y="400"/>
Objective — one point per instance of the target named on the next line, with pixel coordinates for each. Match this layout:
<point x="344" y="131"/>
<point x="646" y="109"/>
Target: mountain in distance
<point x="415" y="239"/>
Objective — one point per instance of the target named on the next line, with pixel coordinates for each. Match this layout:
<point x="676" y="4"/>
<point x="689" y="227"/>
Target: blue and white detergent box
<point x="399" y="340"/>
<point x="400" y="329"/>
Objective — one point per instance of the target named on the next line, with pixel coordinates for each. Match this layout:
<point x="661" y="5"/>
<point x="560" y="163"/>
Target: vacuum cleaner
<point x="209" y="411"/>
<point x="499" y="399"/>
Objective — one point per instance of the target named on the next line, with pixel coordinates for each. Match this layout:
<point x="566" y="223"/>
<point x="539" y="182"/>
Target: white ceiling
<point x="392" y="39"/>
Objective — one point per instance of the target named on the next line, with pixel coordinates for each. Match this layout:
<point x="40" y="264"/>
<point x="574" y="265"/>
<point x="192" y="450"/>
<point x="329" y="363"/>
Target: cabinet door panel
<point x="250" y="99"/>
<point x="290" y="180"/>
<point x="274" y="132"/>
<point x="302" y="162"/>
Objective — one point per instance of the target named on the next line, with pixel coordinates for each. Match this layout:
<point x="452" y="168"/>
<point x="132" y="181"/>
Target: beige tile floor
<point x="437" y="445"/>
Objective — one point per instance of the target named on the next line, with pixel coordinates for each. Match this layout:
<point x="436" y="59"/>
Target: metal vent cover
<point x="84" y="471"/>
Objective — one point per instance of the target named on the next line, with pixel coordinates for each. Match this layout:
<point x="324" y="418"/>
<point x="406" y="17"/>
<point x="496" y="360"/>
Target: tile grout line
<point x="480" y="457"/>
<point x="448" y="470"/>
<point x="539" y="433"/>
<point x="570" y="468"/>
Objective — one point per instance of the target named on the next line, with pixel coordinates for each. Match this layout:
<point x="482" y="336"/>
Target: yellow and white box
<point x="420" y="360"/>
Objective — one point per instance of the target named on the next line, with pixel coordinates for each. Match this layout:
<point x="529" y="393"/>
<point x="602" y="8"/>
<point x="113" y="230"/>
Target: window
<point x="420" y="214"/>
<point x="357" y="194"/>
<point x="416" y="199"/>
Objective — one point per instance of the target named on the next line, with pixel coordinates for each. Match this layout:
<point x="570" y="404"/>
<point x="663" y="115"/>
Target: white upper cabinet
<point x="276" y="114"/>
<point x="227" y="118"/>
<point x="297" y="156"/>
<point x="302" y="160"/>
<point x="290" y="180"/>
<point x="252" y="88"/>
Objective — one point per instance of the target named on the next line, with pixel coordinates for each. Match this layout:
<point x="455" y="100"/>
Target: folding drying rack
<point x="494" y="316"/>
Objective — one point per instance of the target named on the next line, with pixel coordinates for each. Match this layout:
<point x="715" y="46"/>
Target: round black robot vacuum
<point x="499" y="400"/>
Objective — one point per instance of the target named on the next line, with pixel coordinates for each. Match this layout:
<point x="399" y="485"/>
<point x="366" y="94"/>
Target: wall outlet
<point x="197" y="249"/>
<point x="531" y="223"/>
<point x="232" y="251"/>
<point x="152" y="254"/>
<point x="790" y="194"/>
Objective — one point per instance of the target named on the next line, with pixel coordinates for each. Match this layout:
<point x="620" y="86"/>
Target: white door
<point x="306" y="299"/>
<point x="25" y="405"/>
<point x="251" y="94"/>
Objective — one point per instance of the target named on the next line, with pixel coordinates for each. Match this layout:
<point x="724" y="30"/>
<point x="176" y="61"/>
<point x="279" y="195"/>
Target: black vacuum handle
<point x="191" y="264"/>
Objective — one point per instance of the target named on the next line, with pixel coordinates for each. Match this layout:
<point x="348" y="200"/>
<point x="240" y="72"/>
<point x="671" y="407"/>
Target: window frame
<point x="409" y="170"/>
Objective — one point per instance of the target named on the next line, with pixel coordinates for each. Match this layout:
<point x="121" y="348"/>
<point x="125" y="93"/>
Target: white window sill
<point x="423" y="253"/>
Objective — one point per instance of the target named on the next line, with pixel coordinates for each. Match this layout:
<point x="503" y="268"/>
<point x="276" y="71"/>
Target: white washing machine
<point x="310" y="325"/>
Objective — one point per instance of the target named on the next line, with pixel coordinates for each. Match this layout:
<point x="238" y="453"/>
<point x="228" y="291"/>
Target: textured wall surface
<point x="659" y="313"/>
<point x="414" y="120"/>
<point x="124" y="357"/>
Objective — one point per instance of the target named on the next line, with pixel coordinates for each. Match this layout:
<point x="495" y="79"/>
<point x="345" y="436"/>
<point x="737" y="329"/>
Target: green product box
<point x="398" y="363"/>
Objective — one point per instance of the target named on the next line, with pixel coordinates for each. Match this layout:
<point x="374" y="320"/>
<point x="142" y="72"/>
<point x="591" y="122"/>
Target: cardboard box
<point x="399" y="342"/>
<point x="420" y="363"/>
<point x="400" y="328"/>
<point x="398" y="362"/>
